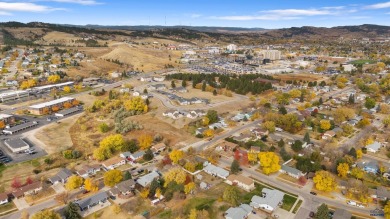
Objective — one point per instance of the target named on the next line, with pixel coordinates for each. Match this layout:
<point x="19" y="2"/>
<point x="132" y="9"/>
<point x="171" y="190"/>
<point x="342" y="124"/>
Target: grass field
<point x="363" y="61"/>
<point x="7" y="207"/>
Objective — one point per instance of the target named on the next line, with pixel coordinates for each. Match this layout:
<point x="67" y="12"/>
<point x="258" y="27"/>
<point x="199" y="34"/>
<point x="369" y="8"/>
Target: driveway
<point x="58" y="188"/>
<point x="21" y="203"/>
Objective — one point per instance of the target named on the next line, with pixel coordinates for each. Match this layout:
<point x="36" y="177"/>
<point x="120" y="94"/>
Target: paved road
<point x="201" y="145"/>
<point x="32" y="209"/>
<point x="309" y="200"/>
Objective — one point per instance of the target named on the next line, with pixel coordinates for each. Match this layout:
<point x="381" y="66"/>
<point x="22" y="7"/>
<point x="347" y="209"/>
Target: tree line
<point x="240" y="84"/>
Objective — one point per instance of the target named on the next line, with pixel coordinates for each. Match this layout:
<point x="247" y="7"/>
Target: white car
<point x="360" y="206"/>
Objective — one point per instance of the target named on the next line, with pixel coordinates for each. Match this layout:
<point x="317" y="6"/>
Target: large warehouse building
<point x="47" y="107"/>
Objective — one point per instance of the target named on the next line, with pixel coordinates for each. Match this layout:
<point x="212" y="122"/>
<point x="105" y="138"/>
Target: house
<point x="328" y="135"/>
<point x="341" y="214"/>
<point x="157" y="87"/>
<point x="91" y="201"/>
<point x="180" y="89"/>
<point x="3" y="198"/>
<point x="125" y="155"/>
<point x="369" y="167"/>
<point x="159" y="79"/>
<point x="227" y="146"/>
<point x="145" y="180"/>
<point x="88" y="170"/>
<point x="241" y="181"/>
<point x="259" y="132"/>
<point x="243" y="138"/>
<point x="374" y="147"/>
<point x="216" y="171"/>
<point x="293" y="172"/>
<point x="269" y="200"/>
<point x="200" y="131"/>
<point x="382" y="193"/>
<point x="113" y="163"/>
<point x="61" y="177"/>
<point x="240" y="212"/>
<point x="136" y="156"/>
<point x="146" y="79"/>
<point x="124" y="188"/>
<point x="158" y="147"/>
<point x="29" y="189"/>
<point x="192" y="115"/>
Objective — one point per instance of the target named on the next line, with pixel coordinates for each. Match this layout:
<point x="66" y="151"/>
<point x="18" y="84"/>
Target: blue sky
<point x="242" y="13"/>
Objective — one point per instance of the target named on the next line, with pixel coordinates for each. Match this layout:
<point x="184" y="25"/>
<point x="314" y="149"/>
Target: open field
<point x="26" y="32"/>
<point x="108" y="213"/>
<point x="298" y="77"/>
<point x="55" y="137"/>
<point x="56" y="37"/>
<point x="141" y="58"/>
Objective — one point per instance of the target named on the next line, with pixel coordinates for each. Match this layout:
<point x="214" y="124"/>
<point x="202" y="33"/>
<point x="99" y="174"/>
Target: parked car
<point x="311" y="214"/>
<point x="313" y="193"/>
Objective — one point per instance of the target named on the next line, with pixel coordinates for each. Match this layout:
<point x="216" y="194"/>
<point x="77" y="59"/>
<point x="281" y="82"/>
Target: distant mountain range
<point x="218" y="33"/>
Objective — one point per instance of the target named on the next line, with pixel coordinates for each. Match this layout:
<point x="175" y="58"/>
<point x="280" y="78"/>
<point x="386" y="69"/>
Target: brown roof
<point x="112" y="161"/>
<point x="3" y="196"/>
<point x="20" y="192"/>
<point x="240" y="178"/>
<point x="159" y="146"/>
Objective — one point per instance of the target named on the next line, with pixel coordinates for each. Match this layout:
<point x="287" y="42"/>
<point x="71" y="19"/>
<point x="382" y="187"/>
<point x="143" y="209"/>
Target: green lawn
<point x="199" y="204"/>
<point x="165" y="214"/>
<point x="288" y="202"/>
<point x="297" y="206"/>
<point x="363" y="61"/>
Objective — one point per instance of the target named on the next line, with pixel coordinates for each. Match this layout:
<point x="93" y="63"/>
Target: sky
<point x="270" y="14"/>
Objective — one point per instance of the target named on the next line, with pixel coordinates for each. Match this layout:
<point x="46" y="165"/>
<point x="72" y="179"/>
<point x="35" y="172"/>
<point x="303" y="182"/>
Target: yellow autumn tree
<point x="144" y="193"/>
<point x="67" y="105"/>
<point x="324" y="181"/>
<point x="67" y="89"/>
<point x="205" y="121"/>
<point x="90" y="185"/>
<point x="177" y="175"/>
<point x="209" y="133"/>
<point x="176" y="155"/>
<point x="189" y="187"/>
<point x="269" y="162"/>
<point x="54" y="78"/>
<point x="252" y="157"/>
<point x="28" y="84"/>
<point x="112" y="177"/>
<point x="359" y="153"/>
<point x="158" y="193"/>
<point x="325" y="124"/>
<point x="342" y="170"/>
<point x="368" y="141"/>
<point x="145" y="141"/>
<point x="190" y="166"/>
<point x="194" y="214"/>
<point x="78" y="87"/>
<point x="269" y="125"/>
<point x="386" y="209"/>
<point x="74" y="182"/>
<point x="357" y="173"/>
<point x="135" y="104"/>
<point x="2" y="125"/>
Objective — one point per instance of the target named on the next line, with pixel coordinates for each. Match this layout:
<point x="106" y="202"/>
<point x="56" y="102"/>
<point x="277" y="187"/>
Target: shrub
<point x="36" y="171"/>
<point x="67" y="154"/>
<point x="76" y="154"/>
<point x="103" y="127"/>
<point x="48" y="161"/>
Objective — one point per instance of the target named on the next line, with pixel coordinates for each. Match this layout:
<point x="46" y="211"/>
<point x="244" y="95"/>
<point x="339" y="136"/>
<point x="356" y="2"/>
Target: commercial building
<point x="16" y="145"/>
<point x="271" y="54"/>
<point x="53" y="86"/>
<point x="67" y="112"/>
<point x="19" y="128"/>
<point x="13" y="95"/>
<point x="47" y="107"/>
<point x="7" y="119"/>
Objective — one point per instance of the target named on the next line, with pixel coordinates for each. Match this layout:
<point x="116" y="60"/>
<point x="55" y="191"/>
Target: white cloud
<point x="260" y="17"/>
<point x="25" y="7"/>
<point x="195" y="15"/>
<point x="81" y="2"/>
<point x="378" y="6"/>
<point x="4" y="13"/>
<point x="286" y="14"/>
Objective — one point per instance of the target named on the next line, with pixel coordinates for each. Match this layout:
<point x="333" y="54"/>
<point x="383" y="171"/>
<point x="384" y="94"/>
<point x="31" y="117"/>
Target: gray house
<point x="91" y="201"/>
<point x="123" y="188"/>
<point x="291" y="171"/>
<point x="61" y="177"/>
<point x="145" y="180"/>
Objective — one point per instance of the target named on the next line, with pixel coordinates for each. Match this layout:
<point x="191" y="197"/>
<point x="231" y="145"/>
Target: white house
<point x="3" y="198"/>
<point x="241" y="181"/>
<point x="269" y="200"/>
<point x="146" y="79"/>
<point x="231" y="47"/>
<point x="159" y="79"/>
<point x="240" y="212"/>
<point x="291" y="171"/>
<point x="216" y="171"/>
<point x="374" y="147"/>
<point x="88" y="170"/>
<point x="113" y="163"/>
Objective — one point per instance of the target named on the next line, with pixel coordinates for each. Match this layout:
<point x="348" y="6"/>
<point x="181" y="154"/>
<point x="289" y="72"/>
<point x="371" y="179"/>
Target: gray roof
<point x="92" y="200"/>
<point x="126" y="154"/>
<point x="272" y="198"/>
<point x="291" y="170"/>
<point x="22" y="126"/>
<point x="382" y="192"/>
<point x="139" y="154"/>
<point x="63" y="174"/>
<point x="15" y="143"/>
<point x="341" y="214"/>
<point x="69" y="111"/>
<point x="125" y="186"/>
<point x="374" y="146"/>
<point x="238" y="212"/>
<point x="147" y="179"/>
<point x="212" y="169"/>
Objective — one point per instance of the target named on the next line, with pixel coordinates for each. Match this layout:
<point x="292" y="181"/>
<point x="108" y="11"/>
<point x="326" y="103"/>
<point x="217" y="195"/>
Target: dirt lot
<point x="303" y="77"/>
<point x="55" y="137"/>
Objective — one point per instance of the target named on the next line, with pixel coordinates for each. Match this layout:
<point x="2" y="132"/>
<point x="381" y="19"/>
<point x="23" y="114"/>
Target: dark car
<point x="311" y="214"/>
<point x="313" y="193"/>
